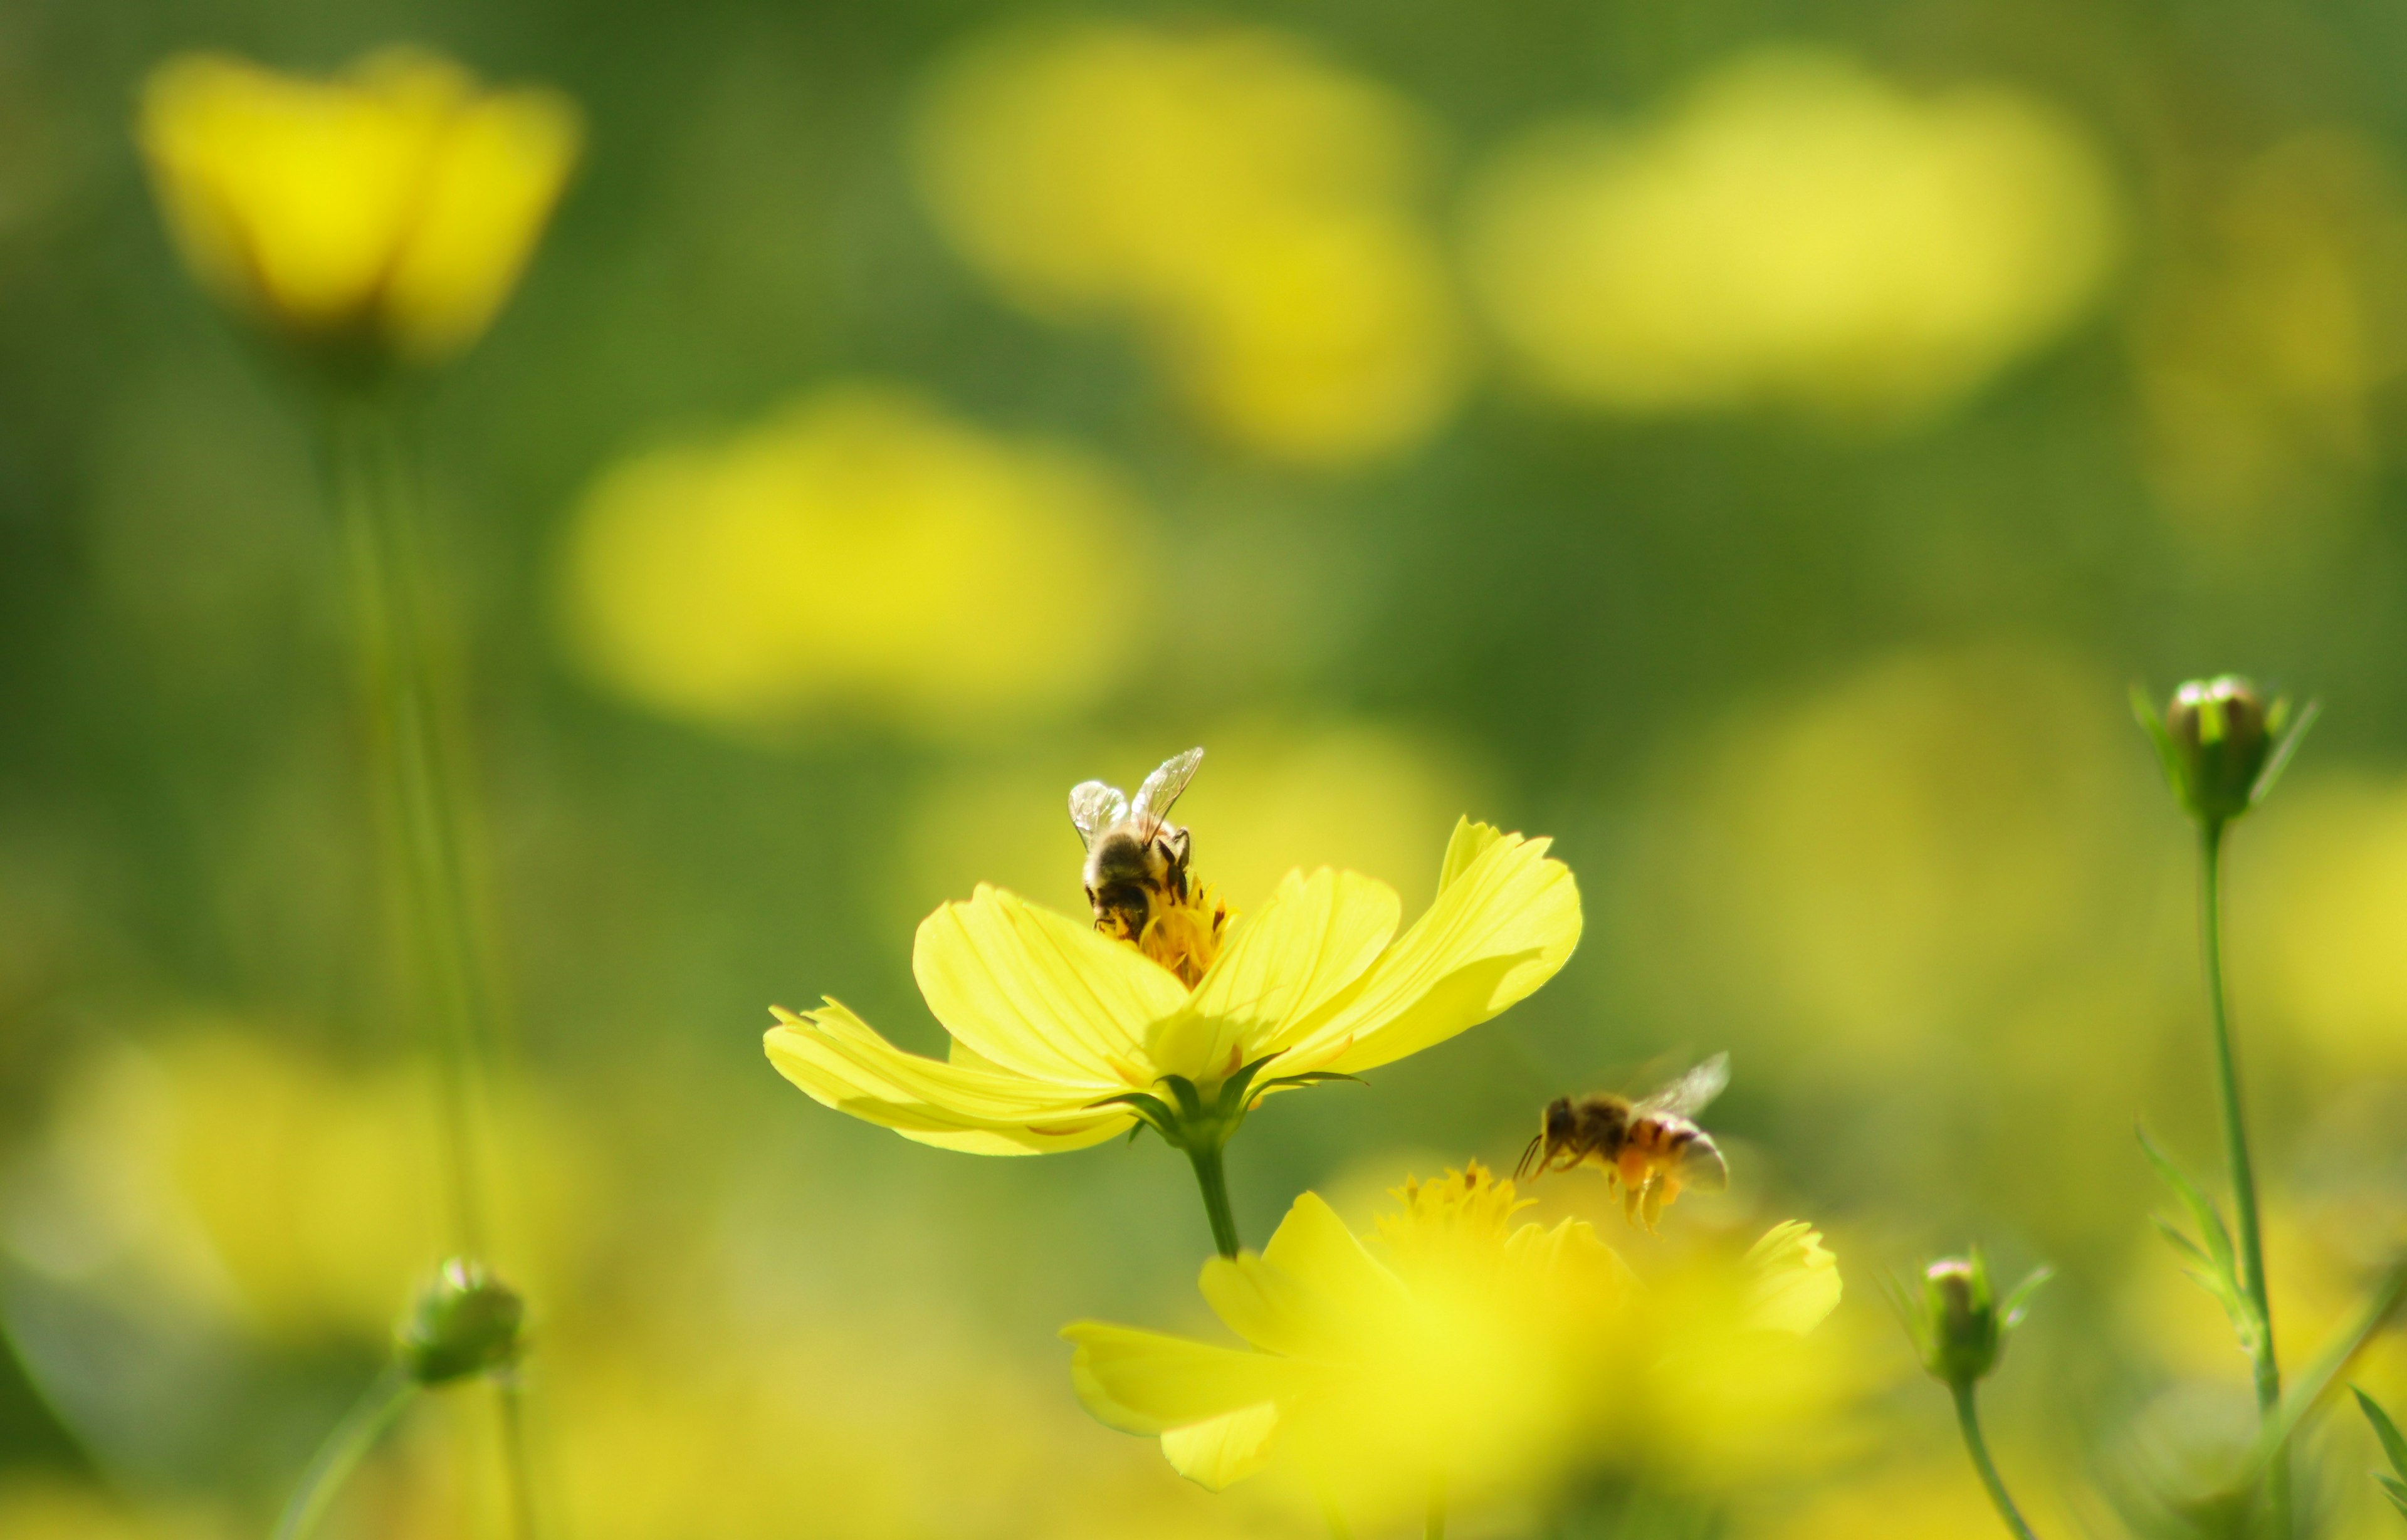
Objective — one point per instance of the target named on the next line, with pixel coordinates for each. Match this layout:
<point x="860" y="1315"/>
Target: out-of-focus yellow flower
<point x="1251" y="207"/>
<point x="861" y="549"/>
<point x="2262" y="351"/>
<point x="1797" y="231"/>
<point x="1462" y="1348"/>
<point x="384" y="214"/>
<point x="222" y="1172"/>
<point x="1050" y="1020"/>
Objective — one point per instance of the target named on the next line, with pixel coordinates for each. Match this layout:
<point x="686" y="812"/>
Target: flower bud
<point x="2222" y="745"/>
<point x="1955" y="1321"/>
<point x="465" y="1322"/>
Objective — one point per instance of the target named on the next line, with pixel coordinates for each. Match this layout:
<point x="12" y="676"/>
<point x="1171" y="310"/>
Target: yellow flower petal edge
<point x="1050" y="1020"/>
<point x="1795" y="1280"/>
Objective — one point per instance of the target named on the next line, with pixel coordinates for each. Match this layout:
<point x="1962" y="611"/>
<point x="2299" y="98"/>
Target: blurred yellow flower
<point x="1797" y="229"/>
<point x="2264" y="348"/>
<point x="2330" y="924"/>
<point x="222" y="1172"/>
<point x="1049" y="1019"/>
<point x="1251" y="207"/>
<point x="1462" y="1348"/>
<point x="861" y="549"/>
<point x="384" y="214"/>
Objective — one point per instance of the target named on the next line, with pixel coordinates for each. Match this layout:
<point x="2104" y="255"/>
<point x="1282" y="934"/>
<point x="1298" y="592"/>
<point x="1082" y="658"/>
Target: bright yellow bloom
<point x="1456" y="1346"/>
<point x="385" y="214"/>
<point x="1052" y="1021"/>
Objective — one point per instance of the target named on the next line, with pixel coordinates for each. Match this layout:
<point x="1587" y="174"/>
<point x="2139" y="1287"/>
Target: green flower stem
<point x="400" y="684"/>
<point x="1215" y="1184"/>
<point x="2244" y="1175"/>
<point x="1968" y="1418"/>
<point x="406" y="721"/>
<point x="343" y="1451"/>
<point x="1433" y="1522"/>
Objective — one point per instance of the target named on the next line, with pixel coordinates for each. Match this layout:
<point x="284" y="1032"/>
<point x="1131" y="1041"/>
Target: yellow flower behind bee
<point x="1457" y="1346"/>
<point x="382" y="215"/>
<point x="1050" y="1020"/>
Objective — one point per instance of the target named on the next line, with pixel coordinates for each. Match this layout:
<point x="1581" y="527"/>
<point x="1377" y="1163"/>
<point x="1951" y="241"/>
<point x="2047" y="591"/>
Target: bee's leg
<point x="1629" y="1197"/>
<point x="1653" y="1207"/>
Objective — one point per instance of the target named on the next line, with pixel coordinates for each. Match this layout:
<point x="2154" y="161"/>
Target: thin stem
<point x="2244" y="1174"/>
<point x="1215" y="1184"/>
<point x="403" y="702"/>
<point x="1969" y="1418"/>
<point x="1433" y="1522"/>
<point x="519" y="1466"/>
<point x="344" y="1448"/>
<point x="402" y="691"/>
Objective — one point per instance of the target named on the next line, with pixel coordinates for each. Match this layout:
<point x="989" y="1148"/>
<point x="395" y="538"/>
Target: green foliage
<point x="2211" y="1260"/>
<point x="2394" y="1449"/>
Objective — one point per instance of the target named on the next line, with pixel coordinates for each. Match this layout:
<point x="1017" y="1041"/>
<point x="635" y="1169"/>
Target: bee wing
<point x="1095" y="807"/>
<point x="1162" y="788"/>
<point x="1692" y="1093"/>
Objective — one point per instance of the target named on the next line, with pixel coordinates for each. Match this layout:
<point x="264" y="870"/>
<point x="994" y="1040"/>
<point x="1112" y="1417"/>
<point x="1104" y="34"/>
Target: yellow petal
<point x="843" y="1063"/>
<point x="1040" y="993"/>
<point x="1225" y="1450"/>
<point x="1503" y="925"/>
<point x="1314" y="1295"/>
<point x="1149" y="1382"/>
<point x="1312" y="938"/>
<point x="487" y="194"/>
<point x="1469" y="842"/>
<point x="1795" y="1282"/>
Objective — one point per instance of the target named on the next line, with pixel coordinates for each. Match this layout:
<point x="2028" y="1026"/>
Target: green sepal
<point x="2394" y="1446"/>
<point x="1311" y="1078"/>
<point x="2215" y="1266"/>
<point x="2168" y="756"/>
<point x="2017" y="1305"/>
<point x="2286" y="743"/>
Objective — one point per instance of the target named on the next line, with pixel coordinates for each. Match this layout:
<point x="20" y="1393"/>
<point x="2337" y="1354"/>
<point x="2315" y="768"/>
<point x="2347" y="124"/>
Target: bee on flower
<point x="1160" y="1011"/>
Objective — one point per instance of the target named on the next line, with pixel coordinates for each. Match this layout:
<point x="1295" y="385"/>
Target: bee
<point x="1137" y="860"/>
<point x="1651" y="1147"/>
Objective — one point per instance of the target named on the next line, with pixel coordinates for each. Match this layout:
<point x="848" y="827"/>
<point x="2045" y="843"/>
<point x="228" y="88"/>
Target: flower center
<point x="1185" y="930"/>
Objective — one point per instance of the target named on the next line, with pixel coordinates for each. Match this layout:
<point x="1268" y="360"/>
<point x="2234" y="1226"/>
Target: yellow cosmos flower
<point x="383" y="215"/>
<point x="1458" y="1349"/>
<point x="1063" y="1037"/>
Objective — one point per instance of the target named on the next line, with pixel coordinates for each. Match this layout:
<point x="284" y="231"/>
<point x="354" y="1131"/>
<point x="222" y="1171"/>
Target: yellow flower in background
<point x="2264" y="350"/>
<point x="1054" y="1026"/>
<point x="1796" y="230"/>
<point x="1251" y="209"/>
<point x="383" y="214"/>
<point x="1457" y="1347"/>
<point x="859" y="552"/>
<point x="222" y="1175"/>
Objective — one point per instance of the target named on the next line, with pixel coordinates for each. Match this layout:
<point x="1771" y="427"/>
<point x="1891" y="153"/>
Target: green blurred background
<point x="1755" y="444"/>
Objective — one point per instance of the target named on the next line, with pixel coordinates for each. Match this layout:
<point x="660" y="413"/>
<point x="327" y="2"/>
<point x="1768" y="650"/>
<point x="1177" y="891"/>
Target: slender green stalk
<point x="343" y="1451"/>
<point x="1968" y="1418"/>
<point x="403" y="705"/>
<point x="400" y="684"/>
<point x="2244" y="1174"/>
<point x="1215" y="1184"/>
<point x="1433" y="1522"/>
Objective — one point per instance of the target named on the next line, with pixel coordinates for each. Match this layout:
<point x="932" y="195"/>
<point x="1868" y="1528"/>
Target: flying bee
<point x="1137" y="860"/>
<point x="1651" y="1147"/>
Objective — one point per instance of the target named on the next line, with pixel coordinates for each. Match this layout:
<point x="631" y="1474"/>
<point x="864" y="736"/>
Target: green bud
<point x="1955" y="1321"/>
<point x="465" y="1322"/>
<point x="2222" y="745"/>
